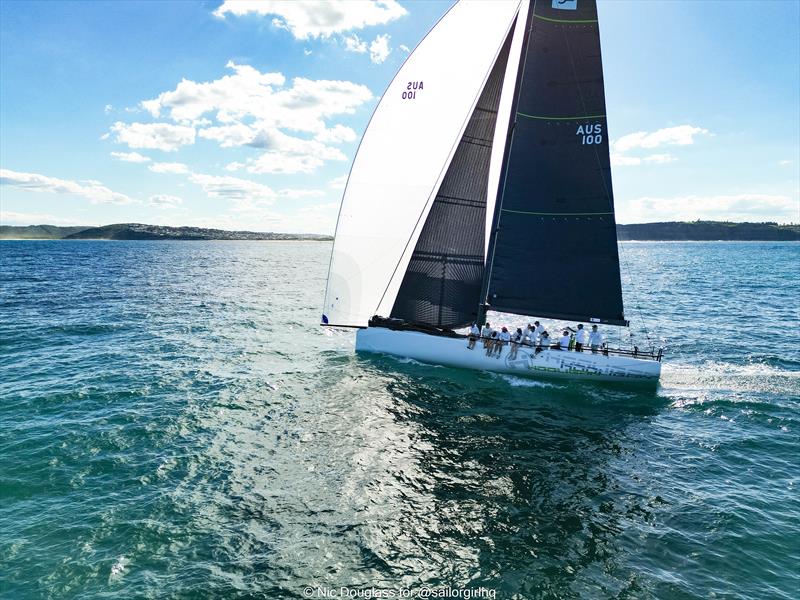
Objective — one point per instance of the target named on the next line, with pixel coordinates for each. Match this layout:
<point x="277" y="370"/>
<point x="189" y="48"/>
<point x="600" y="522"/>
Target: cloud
<point x="108" y="108"/>
<point x="91" y="190"/>
<point x="338" y="183"/>
<point x="34" y="219"/>
<point x="232" y="188"/>
<point x="289" y="121"/>
<point x="169" y="167"/>
<point x="316" y="18"/>
<point x="157" y="136"/>
<point x="736" y="207"/>
<point x="336" y="135"/>
<point x="283" y="153"/>
<point x="133" y="157"/>
<point x="405" y="48"/>
<point x="620" y="160"/>
<point x="164" y="201"/>
<point x="784" y="163"/>
<point x="379" y="49"/>
<point x="352" y="43"/>
<point x="682" y="135"/>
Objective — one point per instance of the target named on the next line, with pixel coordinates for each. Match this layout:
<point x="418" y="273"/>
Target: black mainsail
<point x="553" y="249"/>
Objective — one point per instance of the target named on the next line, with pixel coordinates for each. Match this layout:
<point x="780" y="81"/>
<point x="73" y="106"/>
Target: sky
<point x="247" y="115"/>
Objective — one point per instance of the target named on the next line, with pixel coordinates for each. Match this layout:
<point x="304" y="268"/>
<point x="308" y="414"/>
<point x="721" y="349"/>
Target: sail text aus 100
<point x="411" y="90"/>
<point x="590" y="134"/>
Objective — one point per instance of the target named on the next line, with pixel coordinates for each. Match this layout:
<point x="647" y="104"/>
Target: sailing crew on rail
<point x="502" y="339"/>
<point x="516" y="340"/>
<point x="474" y="334"/>
<point x="543" y="341"/>
<point x="529" y="337"/>
<point x="539" y="328"/>
<point x="581" y="338"/>
<point x="486" y="335"/>
<point x="490" y="342"/>
<point x="563" y="344"/>
<point x="595" y="339"/>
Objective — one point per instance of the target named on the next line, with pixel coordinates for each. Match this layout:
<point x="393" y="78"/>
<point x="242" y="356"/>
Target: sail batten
<point x="554" y="251"/>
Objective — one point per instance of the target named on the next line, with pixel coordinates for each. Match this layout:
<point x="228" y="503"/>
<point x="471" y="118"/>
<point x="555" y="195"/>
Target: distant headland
<point x="668" y="231"/>
<point x="139" y="231"/>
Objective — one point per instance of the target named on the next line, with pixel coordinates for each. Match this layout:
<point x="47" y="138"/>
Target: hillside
<point x="668" y="231"/>
<point x="138" y="231"/>
<point x="37" y="232"/>
<point x="708" y="231"/>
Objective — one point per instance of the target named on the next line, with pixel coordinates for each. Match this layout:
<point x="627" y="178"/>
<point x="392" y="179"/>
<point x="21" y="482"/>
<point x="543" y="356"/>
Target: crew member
<point x="474" y="334"/>
<point x="502" y="339"/>
<point x="595" y="339"/>
<point x="581" y="338"/>
<point x="486" y="335"/>
<point x="564" y="342"/>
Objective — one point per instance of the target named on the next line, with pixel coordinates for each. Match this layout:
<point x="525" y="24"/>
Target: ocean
<point x="174" y="424"/>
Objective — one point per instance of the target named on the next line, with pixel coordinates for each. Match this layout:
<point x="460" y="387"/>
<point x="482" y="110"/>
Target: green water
<point x="174" y="424"/>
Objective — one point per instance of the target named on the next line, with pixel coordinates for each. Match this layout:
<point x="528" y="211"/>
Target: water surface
<point x="174" y="424"/>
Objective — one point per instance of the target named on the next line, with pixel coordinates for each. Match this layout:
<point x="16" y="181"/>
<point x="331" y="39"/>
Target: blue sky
<point x="247" y="115"/>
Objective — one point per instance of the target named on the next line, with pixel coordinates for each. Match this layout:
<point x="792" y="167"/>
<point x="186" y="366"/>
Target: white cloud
<point x="316" y="18"/>
<point x="682" y="135"/>
<point x="158" y="136"/>
<point x="352" y="43"/>
<point x="620" y="160"/>
<point x="379" y="49"/>
<point x="169" y="167"/>
<point x="405" y="48"/>
<point x="18" y="218"/>
<point x="91" y="190"/>
<point x="336" y="135"/>
<point x="232" y="188"/>
<point x="164" y="201"/>
<point x="338" y="183"/>
<point x="133" y="157"/>
<point x="283" y="153"/>
<point x="784" y="163"/>
<point x="108" y="108"/>
<point x="735" y="207"/>
<point x="256" y="109"/>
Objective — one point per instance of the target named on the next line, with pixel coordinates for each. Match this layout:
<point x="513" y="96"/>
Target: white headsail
<point x="403" y="155"/>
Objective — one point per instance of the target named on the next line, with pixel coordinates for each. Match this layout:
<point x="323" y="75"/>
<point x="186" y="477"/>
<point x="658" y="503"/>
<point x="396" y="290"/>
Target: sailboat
<point x="483" y="183"/>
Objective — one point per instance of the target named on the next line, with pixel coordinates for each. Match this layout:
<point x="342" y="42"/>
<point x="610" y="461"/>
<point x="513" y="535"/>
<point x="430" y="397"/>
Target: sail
<point x="442" y="283"/>
<point x="404" y="155"/>
<point x="554" y="247"/>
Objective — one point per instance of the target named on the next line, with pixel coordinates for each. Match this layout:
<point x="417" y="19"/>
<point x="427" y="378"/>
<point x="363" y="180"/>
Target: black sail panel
<point x="442" y="284"/>
<point x="554" y="248"/>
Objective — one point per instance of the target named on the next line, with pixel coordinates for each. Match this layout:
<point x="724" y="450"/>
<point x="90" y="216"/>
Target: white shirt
<point x="486" y="331"/>
<point x="596" y="338"/>
<point x="564" y="342"/>
<point x="543" y="340"/>
<point x="505" y="336"/>
<point x="582" y="336"/>
<point x="474" y="330"/>
<point x="539" y="329"/>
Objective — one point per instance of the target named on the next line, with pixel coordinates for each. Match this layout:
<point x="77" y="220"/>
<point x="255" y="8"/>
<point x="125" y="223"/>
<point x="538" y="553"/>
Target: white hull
<point x="453" y="352"/>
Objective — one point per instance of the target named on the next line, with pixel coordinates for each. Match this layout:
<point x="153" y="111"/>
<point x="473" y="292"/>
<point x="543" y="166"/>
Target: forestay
<point x="404" y="154"/>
